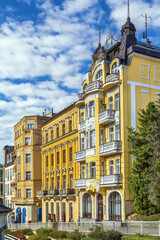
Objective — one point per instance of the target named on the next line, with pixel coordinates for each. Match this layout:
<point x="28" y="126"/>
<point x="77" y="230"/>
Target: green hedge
<point x="58" y="234"/>
<point x="140" y="237"/>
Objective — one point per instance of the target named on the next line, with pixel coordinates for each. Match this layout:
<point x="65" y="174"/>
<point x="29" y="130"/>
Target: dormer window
<point x="114" y="68"/>
<point x="98" y="76"/>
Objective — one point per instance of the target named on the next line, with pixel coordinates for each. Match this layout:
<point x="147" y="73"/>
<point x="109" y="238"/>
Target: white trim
<point x="144" y="56"/>
<point x="144" y="91"/>
<point x="155" y="74"/>
<point x="107" y="203"/>
<point x="114" y="60"/>
<point x="143" y="85"/>
<point x="141" y="71"/>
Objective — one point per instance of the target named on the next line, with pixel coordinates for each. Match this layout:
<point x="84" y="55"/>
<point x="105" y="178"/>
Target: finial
<point x="128" y="11"/>
<point x="99" y="35"/>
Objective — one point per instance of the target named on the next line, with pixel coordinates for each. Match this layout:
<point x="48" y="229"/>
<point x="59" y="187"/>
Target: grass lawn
<point x="154" y="217"/>
<point x="140" y="237"/>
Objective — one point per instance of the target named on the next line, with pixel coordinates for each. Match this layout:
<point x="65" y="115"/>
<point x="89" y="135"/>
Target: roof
<point x="4" y="209"/>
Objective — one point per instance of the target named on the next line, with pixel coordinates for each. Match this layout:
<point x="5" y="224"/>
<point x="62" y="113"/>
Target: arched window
<point x="87" y="206"/>
<point x="115" y="213"/>
<point x="114" y="68"/>
<point x="98" y="76"/>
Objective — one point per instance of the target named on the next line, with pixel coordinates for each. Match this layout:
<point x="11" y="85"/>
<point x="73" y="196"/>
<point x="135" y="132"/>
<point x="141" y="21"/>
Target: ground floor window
<point x="46" y="211"/>
<point x="87" y="206"/>
<point x="115" y="213"/>
<point x="57" y="212"/>
<point x="70" y="212"/>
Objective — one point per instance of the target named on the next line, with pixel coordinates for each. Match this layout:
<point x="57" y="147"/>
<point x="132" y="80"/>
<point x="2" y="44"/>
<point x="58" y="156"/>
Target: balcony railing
<point x="41" y="193"/>
<point x="106" y="116"/>
<point x="80" y="183"/>
<point x="93" y="86"/>
<point x="113" y="77"/>
<point x="82" y="126"/>
<point x="52" y="192"/>
<point x="110" y="147"/>
<point x="111" y="179"/>
<point x="80" y="156"/>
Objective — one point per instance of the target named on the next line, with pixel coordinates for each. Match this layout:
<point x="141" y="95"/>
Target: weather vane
<point x="145" y="34"/>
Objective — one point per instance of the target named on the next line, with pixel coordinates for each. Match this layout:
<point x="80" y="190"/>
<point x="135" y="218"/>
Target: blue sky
<point x="46" y="48"/>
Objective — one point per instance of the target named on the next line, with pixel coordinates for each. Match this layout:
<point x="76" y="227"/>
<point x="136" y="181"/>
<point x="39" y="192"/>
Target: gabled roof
<point x="4" y="209"/>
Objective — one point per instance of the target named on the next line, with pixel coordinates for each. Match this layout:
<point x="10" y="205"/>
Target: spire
<point x="128" y="11"/>
<point x="99" y="35"/>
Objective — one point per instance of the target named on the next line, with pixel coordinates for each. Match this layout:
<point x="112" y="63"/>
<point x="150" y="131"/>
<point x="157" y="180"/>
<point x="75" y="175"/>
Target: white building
<point x="1" y="184"/>
<point x="3" y="222"/>
<point x="9" y="192"/>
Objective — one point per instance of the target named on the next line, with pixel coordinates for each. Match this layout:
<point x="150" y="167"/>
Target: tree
<point x="142" y="152"/>
<point x="154" y="185"/>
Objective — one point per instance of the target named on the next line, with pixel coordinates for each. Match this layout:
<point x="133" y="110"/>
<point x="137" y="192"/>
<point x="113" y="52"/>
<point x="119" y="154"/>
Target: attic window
<point x="114" y="68"/>
<point x="98" y="76"/>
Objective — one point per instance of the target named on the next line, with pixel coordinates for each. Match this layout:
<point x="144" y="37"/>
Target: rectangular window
<point x="18" y="160"/>
<point x="58" y="182"/>
<point x="52" y="182"/>
<point x="82" y="117"/>
<point x="92" y="138"/>
<point x="116" y="101"/>
<point x="46" y="137"/>
<point x="64" y="181"/>
<point x="103" y="168"/>
<point x="102" y="136"/>
<point x="83" y="171"/>
<point x="70" y="154"/>
<point x="27" y="141"/>
<point x="52" y="135"/>
<point x="92" y="109"/>
<point x="111" y="134"/>
<point x="57" y="132"/>
<point x="19" y="177"/>
<point x="92" y="170"/>
<point x="28" y="175"/>
<point x="57" y="212"/>
<point x="82" y="142"/>
<point x="70" y="125"/>
<point x="87" y="140"/>
<point x="28" y="192"/>
<point x="28" y="158"/>
<point x="110" y="103"/>
<point x="71" y="180"/>
<point x="117" y="132"/>
<point x="52" y="211"/>
<point x="64" y="156"/>
<point x="52" y="159"/>
<point x="19" y="193"/>
<point x="111" y="167"/>
<point x="70" y="212"/>
<point x="63" y="127"/>
<point x="46" y="161"/>
<point x="31" y="126"/>
<point x="118" y="166"/>
<point x="57" y="158"/>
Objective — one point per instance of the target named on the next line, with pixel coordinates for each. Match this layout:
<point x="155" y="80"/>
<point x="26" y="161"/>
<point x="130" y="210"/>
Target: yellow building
<point x="121" y="81"/>
<point x="58" y="194"/>
<point x="28" y="168"/>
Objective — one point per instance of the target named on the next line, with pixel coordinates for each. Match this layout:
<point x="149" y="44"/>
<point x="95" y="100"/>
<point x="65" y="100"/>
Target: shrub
<point x="58" y="234"/>
<point x="76" y="235"/>
<point x="28" y="232"/>
<point x="33" y="237"/>
<point x="43" y="231"/>
<point x="98" y="233"/>
<point x="20" y="236"/>
<point x="113" y="235"/>
<point x="7" y="231"/>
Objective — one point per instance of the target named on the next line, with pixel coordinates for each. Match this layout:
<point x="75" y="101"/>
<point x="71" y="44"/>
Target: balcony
<point x="14" y="184"/>
<point x="82" y="126"/>
<point x="106" y="117"/>
<point x="110" y="148"/>
<point x="41" y="193"/>
<point x="111" y="180"/>
<point x="80" y="101"/>
<point x="111" y="80"/>
<point x="80" y="183"/>
<point x="80" y="156"/>
<point x="52" y="192"/>
<point x="93" y="86"/>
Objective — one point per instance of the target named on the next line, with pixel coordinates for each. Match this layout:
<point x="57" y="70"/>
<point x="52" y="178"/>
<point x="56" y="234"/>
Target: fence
<point x="128" y="227"/>
<point x="33" y="226"/>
